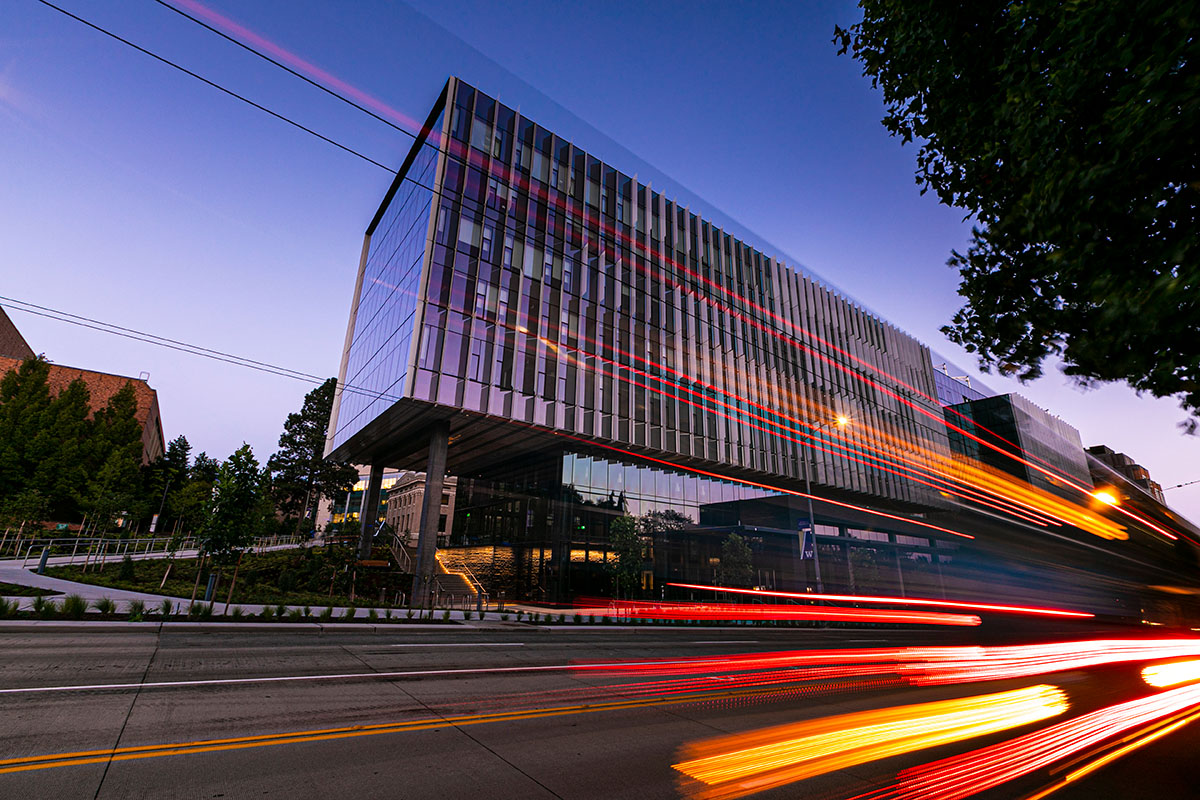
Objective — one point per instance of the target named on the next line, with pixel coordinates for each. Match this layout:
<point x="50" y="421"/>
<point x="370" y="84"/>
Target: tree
<point x="116" y="443"/>
<point x="232" y="519"/>
<point x="167" y="478"/>
<point x="669" y="520"/>
<point x="625" y="543"/>
<point x="737" y="563"/>
<point x="300" y="473"/>
<point x="61" y="451"/>
<point x="1069" y="132"/>
<point x="24" y="400"/>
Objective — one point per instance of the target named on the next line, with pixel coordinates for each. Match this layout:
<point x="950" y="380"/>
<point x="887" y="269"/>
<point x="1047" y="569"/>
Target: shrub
<point x="349" y="613"/>
<point x="206" y="611"/>
<point x="578" y="618"/>
<point x="387" y="613"/>
<point x="446" y="615"/>
<point x="519" y="613"/>
<point x="287" y="580"/>
<point x="307" y="612"/>
<point x="126" y="571"/>
<point x="268" y="612"/>
<point x="236" y="612"/>
<point x="326" y="614"/>
<point x="74" y="606"/>
<point x="606" y="620"/>
<point x="562" y="617"/>
<point x="281" y="611"/>
<point x="8" y="609"/>
<point x="166" y="607"/>
<point x="504" y="617"/>
<point x="408" y="614"/>
<point x="48" y="608"/>
<point x="105" y="605"/>
<point x="295" y="615"/>
<point x="466" y="615"/>
<point x="194" y="610"/>
<point x="591" y="619"/>
<point x="137" y="610"/>
<point x="372" y="614"/>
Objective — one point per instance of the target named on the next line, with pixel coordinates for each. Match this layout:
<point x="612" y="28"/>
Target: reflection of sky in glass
<point x="648" y="488"/>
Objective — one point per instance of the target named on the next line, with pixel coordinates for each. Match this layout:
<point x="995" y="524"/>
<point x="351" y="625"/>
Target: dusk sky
<point x="136" y="195"/>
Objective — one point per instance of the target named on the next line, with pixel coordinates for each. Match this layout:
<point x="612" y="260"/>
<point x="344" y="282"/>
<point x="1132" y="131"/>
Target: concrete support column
<point x="431" y="508"/>
<point x="368" y="512"/>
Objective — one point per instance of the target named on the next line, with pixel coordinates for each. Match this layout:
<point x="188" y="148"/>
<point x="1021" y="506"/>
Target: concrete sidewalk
<point x="13" y="572"/>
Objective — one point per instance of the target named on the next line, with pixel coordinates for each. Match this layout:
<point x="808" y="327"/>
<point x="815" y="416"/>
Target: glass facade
<point x="564" y="294"/>
<point x="598" y="351"/>
<point x="386" y="307"/>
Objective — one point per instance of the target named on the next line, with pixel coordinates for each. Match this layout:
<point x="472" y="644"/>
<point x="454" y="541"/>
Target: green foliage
<point x="46" y="609"/>
<point x="126" y="573"/>
<point x="372" y="614"/>
<point x="504" y="617"/>
<point x="626" y="570"/>
<point x="137" y="610"/>
<point x="166" y="607"/>
<point x="326" y="614"/>
<point x="74" y="606"/>
<point x="408" y="613"/>
<point x="578" y="618"/>
<point x="308" y="611"/>
<point x="105" y="605"/>
<point x="233" y="517"/>
<point x="1068" y="131"/>
<point x="300" y="473"/>
<point x="295" y="615"/>
<point x="446" y="615"/>
<point x="466" y="615"/>
<point x="737" y="563"/>
<point x="237" y="612"/>
<point x="8" y="608"/>
<point x="349" y="613"/>
<point x="281" y="611"/>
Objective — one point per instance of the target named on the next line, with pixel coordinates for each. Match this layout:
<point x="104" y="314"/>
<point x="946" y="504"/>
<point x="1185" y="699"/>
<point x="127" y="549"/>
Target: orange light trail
<point x="986" y="768"/>
<point x="912" y="601"/>
<point x="741" y="764"/>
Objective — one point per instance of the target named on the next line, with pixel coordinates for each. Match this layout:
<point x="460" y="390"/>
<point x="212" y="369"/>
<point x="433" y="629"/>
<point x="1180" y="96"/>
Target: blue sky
<point x="137" y="195"/>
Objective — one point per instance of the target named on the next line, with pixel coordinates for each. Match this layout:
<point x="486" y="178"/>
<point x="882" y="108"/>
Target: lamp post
<point x="840" y="421"/>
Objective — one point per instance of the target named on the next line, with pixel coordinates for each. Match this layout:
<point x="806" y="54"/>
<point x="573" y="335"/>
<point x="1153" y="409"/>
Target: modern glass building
<point x="576" y="346"/>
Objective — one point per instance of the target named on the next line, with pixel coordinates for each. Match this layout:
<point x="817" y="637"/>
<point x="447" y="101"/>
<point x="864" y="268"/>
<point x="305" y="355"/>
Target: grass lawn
<point x="316" y="577"/>
<point x="13" y="590"/>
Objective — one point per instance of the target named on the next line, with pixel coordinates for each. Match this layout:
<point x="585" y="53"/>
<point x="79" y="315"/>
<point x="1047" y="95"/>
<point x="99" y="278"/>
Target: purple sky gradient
<point x="136" y="195"/>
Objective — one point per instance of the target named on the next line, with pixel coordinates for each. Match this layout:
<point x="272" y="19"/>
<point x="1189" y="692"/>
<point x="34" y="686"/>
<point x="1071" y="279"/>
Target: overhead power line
<point x="180" y="346"/>
<point x="219" y="87"/>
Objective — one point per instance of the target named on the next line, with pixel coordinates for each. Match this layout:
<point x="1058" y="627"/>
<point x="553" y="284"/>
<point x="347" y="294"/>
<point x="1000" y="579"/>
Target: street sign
<point x="806" y="542"/>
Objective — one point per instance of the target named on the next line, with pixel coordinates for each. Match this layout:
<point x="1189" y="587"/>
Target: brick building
<point x="101" y="387"/>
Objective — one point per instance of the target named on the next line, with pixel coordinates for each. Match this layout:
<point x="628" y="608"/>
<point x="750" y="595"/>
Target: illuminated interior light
<point x="1163" y="675"/>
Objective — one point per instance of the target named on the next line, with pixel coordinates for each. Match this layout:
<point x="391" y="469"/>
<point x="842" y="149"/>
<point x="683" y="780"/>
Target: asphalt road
<point x="460" y="712"/>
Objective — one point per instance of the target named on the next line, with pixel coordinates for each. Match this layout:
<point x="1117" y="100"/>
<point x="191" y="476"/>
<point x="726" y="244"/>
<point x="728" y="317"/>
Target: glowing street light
<point x="840" y="421"/>
<point x="1106" y="497"/>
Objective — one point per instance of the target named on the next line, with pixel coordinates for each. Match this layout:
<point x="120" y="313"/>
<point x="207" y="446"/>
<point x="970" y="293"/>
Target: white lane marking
<point x="464" y="644"/>
<point x="730" y="641"/>
<point x="339" y="677"/>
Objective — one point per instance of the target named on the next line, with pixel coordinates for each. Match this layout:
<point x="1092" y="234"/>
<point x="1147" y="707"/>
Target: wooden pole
<point x="233" y="582"/>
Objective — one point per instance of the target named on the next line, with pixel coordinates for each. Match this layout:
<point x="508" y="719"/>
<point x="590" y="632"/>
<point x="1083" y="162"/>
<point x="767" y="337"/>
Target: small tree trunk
<point x="196" y="585"/>
<point x="233" y="582"/>
<point x="166" y="573"/>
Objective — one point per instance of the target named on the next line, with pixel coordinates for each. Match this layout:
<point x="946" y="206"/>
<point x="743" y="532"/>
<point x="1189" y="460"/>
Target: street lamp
<point x="840" y="421"/>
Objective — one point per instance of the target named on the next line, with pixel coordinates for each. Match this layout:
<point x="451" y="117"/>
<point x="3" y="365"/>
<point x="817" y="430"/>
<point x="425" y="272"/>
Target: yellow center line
<point x="84" y="757"/>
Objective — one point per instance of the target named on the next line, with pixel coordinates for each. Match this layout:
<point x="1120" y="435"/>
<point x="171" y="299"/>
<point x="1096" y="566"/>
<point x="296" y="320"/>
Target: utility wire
<point x="219" y="87"/>
<point x="183" y="347"/>
<point x="288" y="69"/>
